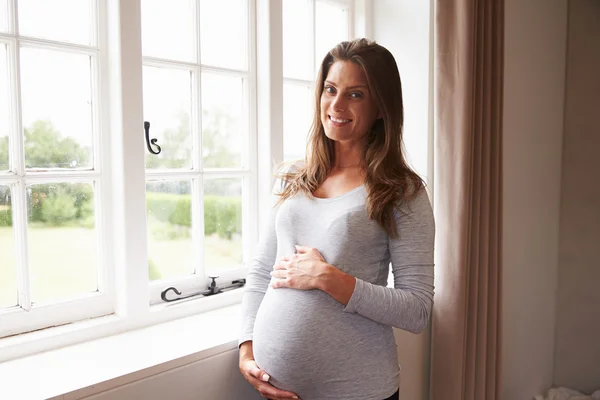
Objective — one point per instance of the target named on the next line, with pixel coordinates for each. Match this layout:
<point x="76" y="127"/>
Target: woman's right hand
<point x="259" y="378"/>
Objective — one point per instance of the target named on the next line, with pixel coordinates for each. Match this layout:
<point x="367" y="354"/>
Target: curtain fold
<point x="469" y="59"/>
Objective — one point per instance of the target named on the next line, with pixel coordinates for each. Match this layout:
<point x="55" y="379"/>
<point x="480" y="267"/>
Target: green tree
<point x="216" y="137"/>
<point x="176" y="144"/>
<point x="176" y="147"/>
<point x="58" y="208"/>
<point x="45" y="147"/>
<point x="4" y="153"/>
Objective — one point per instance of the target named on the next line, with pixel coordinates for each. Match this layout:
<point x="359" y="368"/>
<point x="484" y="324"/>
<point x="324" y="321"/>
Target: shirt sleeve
<point x="260" y="267"/>
<point x="408" y="304"/>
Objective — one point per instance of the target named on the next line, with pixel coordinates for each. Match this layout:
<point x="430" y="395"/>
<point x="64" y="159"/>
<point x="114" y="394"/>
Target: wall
<point x="403" y="27"/>
<point x="215" y="378"/>
<point x="577" y="351"/>
<point x="535" y="47"/>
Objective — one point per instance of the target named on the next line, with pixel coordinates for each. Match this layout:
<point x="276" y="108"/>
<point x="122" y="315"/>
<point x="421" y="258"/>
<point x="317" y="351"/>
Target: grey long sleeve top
<point x="307" y="341"/>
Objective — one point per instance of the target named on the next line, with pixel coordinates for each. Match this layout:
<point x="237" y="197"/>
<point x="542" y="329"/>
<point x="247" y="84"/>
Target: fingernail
<point x="295" y="397"/>
<point x="265" y="377"/>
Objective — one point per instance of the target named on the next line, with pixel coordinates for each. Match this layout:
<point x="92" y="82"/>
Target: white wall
<point x="535" y="46"/>
<point x="214" y="378"/>
<point x="403" y="27"/>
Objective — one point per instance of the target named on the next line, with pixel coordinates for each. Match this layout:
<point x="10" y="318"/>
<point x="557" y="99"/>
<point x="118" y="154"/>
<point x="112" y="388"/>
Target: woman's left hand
<point x="302" y="270"/>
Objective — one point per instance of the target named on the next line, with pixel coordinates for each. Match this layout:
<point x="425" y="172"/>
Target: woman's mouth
<point x="339" y="121"/>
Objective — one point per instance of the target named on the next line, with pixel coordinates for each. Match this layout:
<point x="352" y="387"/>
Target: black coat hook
<point x="150" y="142"/>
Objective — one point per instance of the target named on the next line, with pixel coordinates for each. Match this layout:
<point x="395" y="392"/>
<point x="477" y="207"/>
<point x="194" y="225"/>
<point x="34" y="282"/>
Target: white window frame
<point x="309" y="84"/>
<point x="29" y="317"/>
<point x="200" y="281"/>
<point x="128" y="293"/>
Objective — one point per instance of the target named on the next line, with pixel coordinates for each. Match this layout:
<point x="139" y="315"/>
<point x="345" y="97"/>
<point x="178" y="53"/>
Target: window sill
<point x="102" y="364"/>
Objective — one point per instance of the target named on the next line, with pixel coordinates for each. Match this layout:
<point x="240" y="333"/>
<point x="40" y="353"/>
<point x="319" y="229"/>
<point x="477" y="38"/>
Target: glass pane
<point x="4" y="110"/>
<point x="224" y="33"/>
<point x="297" y="39"/>
<point x="8" y="272"/>
<point x="63" y="249"/>
<point x="168" y="108"/>
<point x="331" y="27"/>
<point x="61" y="20"/>
<point x="3" y="15"/>
<point x="224" y="127"/>
<point x="298" y="115"/>
<point x="169" y="218"/>
<point x="222" y="224"/>
<point x="168" y="29"/>
<point x="57" y="109"/>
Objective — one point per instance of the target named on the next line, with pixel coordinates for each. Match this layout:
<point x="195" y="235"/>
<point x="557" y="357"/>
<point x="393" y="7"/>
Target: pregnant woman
<point x="317" y="312"/>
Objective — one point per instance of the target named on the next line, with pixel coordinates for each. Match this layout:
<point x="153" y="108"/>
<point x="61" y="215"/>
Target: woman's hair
<point x="389" y="180"/>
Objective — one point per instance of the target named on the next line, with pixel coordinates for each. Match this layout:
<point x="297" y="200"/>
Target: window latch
<point x="150" y="142"/>
<point x="212" y="290"/>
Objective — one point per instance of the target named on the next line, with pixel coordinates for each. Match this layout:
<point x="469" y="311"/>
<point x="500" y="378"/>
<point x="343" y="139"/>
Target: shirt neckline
<point x="341" y="196"/>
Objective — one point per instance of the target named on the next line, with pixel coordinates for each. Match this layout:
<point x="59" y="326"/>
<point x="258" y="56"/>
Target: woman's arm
<point x="408" y="305"/>
<point x="260" y="267"/>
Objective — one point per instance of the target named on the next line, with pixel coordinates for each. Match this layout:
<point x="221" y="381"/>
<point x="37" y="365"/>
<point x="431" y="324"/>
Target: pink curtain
<point x="465" y="353"/>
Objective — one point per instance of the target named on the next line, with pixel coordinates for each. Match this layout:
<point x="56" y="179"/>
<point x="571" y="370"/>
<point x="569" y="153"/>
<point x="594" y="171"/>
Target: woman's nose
<point x="338" y="103"/>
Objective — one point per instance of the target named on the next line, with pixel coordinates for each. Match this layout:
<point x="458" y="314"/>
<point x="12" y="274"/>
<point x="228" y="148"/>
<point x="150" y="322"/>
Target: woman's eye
<point x="329" y="89"/>
<point x="356" y="95"/>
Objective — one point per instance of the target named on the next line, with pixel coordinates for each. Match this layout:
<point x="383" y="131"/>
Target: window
<point x="196" y="98"/>
<point x="310" y="29"/>
<point x="53" y="267"/>
<point x="94" y="219"/>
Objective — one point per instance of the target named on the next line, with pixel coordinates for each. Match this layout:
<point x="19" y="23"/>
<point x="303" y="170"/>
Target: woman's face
<point x="348" y="110"/>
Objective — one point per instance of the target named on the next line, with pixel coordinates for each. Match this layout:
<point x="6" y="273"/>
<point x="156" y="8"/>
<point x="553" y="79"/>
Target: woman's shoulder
<point x="289" y="167"/>
<point x="286" y="172"/>
<point x="416" y="202"/>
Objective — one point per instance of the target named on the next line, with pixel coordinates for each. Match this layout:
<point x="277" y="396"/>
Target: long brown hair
<point x="389" y="180"/>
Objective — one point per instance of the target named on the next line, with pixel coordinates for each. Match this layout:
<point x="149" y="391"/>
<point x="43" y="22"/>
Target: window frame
<point x="198" y="173"/>
<point x="26" y="317"/>
<point x="309" y="84"/>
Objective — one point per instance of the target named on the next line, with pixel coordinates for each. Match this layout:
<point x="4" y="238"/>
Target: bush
<point x="221" y="213"/>
<point x="58" y="208"/>
<point x="5" y="216"/>
<point x="81" y="197"/>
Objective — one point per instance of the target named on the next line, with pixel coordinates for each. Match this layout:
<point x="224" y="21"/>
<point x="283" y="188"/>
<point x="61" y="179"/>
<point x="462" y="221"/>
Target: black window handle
<point x="150" y="142"/>
<point x="212" y="290"/>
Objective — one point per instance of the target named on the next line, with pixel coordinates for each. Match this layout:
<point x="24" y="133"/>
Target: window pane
<point x="61" y="20"/>
<point x="169" y="218"/>
<point x="224" y="127"/>
<point x="62" y="240"/>
<point x="224" y="33"/>
<point x="168" y="29"/>
<point x="297" y="39"/>
<point x="57" y="109"/>
<point x="8" y="272"/>
<point x="168" y="108"/>
<point x="4" y="110"/>
<point x="331" y="27"/>
<point x="222" y="224"/>
<point x="297" y="118"/>
<point x="3" y="15"/>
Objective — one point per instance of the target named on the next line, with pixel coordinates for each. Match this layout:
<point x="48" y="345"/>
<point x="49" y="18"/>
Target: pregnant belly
<point x="306" y="342"/>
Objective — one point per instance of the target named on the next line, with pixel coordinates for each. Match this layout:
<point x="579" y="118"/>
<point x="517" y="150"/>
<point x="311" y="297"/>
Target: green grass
<point x="63" y="261"/>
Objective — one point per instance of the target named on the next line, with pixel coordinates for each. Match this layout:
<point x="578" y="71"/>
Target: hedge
<point x="222" y="214"/>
